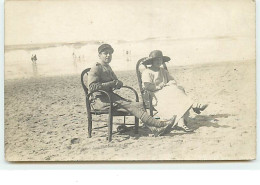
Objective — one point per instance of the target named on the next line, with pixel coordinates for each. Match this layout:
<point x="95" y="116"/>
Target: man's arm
<point x="95" y="82"/>
<point x="119" y="83"/>
<point x="94" y="86"/>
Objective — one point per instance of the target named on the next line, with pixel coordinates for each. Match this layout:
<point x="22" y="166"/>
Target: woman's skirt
<point x="171" y="101"/>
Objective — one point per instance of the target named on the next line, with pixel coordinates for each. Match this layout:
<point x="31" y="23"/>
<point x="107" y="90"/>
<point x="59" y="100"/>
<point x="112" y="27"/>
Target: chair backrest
<point x="139" y="75"/>
<point x="85" y="72"/>
<point x="144" y="93"/>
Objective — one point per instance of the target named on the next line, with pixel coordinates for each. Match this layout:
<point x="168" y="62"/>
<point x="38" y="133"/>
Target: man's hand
<point x="118" y="84"/>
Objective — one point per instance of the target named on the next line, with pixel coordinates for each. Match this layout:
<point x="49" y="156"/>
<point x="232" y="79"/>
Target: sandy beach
<point x="46" y="120"/>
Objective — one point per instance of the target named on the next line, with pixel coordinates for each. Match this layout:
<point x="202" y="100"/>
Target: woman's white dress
<point x="170" y="100"/>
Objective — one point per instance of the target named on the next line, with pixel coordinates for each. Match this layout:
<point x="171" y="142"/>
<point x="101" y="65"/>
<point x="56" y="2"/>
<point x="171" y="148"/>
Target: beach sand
<point x="46" y="120"/>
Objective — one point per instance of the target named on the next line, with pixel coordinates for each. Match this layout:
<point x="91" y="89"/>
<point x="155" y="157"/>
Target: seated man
<point x="102" y="77"/>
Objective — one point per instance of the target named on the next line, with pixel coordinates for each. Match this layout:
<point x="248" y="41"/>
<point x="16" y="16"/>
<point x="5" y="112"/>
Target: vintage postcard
<point x="111" y="80"/>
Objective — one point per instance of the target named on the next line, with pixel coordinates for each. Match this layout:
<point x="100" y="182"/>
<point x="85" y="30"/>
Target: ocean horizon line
<point x="98" y="42"/>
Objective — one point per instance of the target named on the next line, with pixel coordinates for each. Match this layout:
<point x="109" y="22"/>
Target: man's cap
<point x="105" y="46"/>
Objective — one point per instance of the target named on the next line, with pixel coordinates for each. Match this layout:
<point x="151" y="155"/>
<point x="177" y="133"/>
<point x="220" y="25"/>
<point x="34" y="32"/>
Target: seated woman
<point x="169" y="99"/>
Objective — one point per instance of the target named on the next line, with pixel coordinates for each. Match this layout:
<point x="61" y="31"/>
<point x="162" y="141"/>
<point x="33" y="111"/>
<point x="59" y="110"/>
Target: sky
<point x="35" y="22"/>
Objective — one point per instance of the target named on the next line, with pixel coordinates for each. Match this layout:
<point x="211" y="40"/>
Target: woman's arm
<point x="172" y="81"/>
<point x="170" y="78"/>
<point x="152" y="87"/>
<point x="148" y="81"/>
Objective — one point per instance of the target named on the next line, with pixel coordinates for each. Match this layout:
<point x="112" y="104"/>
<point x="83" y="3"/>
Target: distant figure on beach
<point x="34" y="58"/>
<point x="74" y="59"/>
<point x="102" y="77"/>
<point x="34" y="65"/>
<point x="169" y="99"/>
<point x="128" y="55"/>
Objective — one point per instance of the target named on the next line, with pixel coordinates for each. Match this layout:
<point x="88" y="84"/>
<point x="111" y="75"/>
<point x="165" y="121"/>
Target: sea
<point x="55" y="59"/>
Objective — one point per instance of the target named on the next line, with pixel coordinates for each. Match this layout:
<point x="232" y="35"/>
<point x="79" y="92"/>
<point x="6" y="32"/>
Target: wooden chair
<point x="111" y="111"/>
<point x="146" y="95"/>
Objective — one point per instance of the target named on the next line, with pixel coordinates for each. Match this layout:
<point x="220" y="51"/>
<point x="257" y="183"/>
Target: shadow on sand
<point x="207" y="121"/>
<point x="194" y="123"/>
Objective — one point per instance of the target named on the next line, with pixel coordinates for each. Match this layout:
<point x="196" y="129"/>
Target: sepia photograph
<point x="111" y="80"/>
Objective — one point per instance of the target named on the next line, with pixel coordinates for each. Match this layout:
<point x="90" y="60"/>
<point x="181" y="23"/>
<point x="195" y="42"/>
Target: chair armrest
<point x="132" y="89"/>
<point x="103" y="92"/>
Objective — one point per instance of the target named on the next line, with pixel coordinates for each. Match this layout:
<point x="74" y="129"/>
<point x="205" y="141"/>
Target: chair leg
<point x="151" y="105"/>
<point x="89" y="125"/>
<point x="136" y="125"/>
<point x="124" y="120"/>
<point x="151" y="111"/>
<point x="110" y="127"/>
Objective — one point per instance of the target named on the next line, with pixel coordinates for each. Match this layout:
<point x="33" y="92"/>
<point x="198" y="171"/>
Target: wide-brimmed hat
<point x="105" y="46"/>
<point x="153" y="55"/>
